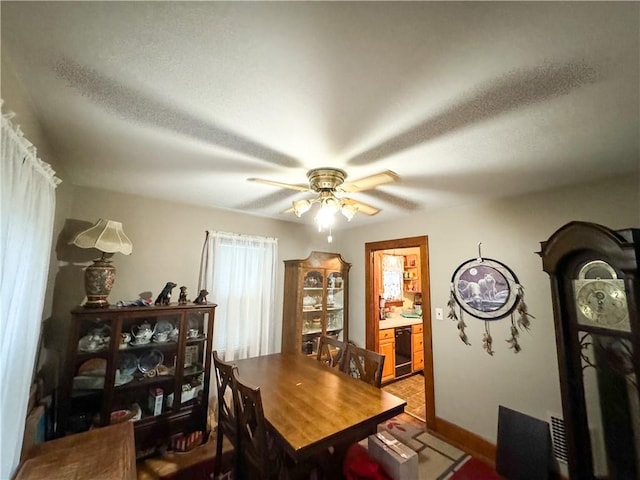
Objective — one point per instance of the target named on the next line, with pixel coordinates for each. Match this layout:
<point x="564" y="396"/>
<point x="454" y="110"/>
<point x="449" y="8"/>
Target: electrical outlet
<point x="439" y="314"/>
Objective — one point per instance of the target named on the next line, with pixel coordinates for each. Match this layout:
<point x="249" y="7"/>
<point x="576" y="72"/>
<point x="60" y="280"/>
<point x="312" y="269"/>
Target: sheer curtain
<point x="392" y="270"/>
<point x="239" y="272"/>
<point x="26" y="228"/>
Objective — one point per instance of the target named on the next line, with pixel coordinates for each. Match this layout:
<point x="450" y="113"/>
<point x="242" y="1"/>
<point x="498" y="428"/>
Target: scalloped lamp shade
<point x="108" y="237"/>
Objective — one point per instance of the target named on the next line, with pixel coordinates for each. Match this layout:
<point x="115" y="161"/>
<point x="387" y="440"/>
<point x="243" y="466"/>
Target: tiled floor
<point x="410" y="389"/>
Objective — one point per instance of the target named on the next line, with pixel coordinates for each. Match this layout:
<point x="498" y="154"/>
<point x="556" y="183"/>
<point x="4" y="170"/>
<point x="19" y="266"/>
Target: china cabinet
<point x="596" y="291"/>
<point x="149" y="365"/>
<point x="316" y="299"/>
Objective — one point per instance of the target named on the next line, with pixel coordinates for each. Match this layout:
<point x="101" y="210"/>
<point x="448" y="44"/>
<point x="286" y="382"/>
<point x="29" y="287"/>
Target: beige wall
<point x="469" y="384"/>
<point x="167" y="242"/>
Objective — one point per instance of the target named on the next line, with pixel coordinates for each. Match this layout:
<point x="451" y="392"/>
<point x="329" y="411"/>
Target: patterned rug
<point x="435" y="457"/>
<point x="469" y="468"/>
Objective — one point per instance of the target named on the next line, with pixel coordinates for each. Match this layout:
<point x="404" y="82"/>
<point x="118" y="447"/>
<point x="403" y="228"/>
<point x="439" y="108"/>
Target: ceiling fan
<point x="326" y="182"/>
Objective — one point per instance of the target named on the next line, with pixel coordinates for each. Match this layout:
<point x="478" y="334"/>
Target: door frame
<point x="371" y="310"/>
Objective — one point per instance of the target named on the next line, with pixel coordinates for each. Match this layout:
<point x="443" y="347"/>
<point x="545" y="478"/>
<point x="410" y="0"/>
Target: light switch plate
<point x="439" y="314"/>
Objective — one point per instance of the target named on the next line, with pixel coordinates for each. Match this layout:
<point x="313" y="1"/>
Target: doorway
<point x="373" y="309"/>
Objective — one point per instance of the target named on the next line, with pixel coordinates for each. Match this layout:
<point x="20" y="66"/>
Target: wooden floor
<point x="410" y="389"/>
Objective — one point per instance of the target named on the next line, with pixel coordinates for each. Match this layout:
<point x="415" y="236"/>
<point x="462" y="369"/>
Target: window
<point x="239" y="272"/>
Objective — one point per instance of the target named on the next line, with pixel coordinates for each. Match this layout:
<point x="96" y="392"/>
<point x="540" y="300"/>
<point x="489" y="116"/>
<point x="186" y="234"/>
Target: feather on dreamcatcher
<point x="488" y="290"/>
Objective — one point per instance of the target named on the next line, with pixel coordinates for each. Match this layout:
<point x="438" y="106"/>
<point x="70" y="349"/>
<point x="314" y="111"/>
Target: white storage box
<point x="155" y="401"/>
<point x="398" y="460"/>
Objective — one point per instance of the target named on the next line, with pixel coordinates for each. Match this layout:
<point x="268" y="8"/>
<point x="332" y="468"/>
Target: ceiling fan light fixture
<point x="300" y="207"/>
<point x="325" y="216"/>
<point x="349" y="211"/>
<point x="331" y="203"/>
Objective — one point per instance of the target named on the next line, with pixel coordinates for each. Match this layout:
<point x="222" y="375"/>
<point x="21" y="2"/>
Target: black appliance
<point x="403" y="351"/>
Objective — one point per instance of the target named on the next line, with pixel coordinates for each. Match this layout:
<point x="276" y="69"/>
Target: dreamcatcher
<point x="489" y="290"/>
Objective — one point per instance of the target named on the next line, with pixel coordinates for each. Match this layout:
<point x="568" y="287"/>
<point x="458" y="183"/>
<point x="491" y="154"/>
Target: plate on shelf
<point x="89" y="343"/>
<point x="86" y="382"/>
<point x="193" y="369"/>
<point x="96" y="367"/>
<point x="199" y="337"/>
<point x="122" y="380"/>
<point x="120" y="416"/>
<point x="128" y="364"/>
<point x="150" y="361"/>
<point x="135" y="343"/>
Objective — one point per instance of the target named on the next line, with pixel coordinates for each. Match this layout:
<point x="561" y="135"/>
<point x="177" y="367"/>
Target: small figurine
<point x="182" y="299"/>
<point x="202" y="297"/>
<point x="165" y="295"/>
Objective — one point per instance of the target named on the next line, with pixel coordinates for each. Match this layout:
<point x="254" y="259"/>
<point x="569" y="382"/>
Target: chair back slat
<point x="331" y="352"/>
<point x="227" y="416"/>
<point x="364" y="364"/>
<point x="252" y="431"/>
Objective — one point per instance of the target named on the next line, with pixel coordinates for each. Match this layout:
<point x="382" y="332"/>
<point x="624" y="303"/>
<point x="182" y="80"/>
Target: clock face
<point x="602" y="303"/>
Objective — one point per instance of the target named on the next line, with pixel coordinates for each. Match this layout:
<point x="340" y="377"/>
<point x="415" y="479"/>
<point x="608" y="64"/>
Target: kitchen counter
<point x="398" y="322"/>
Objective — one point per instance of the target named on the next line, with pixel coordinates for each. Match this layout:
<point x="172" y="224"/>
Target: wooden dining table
<point x="310" y="407"/>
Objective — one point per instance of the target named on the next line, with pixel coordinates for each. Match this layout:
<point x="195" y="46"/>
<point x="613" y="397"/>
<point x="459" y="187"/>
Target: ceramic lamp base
<point x="98" y="282"/>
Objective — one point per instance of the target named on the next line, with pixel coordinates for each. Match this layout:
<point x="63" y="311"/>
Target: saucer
<point x="134" y="343"/>
<point x="84" y="344"/>
<point x="122" y="380"/>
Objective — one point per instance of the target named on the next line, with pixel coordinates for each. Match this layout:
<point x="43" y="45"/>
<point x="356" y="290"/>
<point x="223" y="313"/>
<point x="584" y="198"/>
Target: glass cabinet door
<point x="145" y="365"/>
<point x="313" y="309"/>
<point x="335" y="305"/>
<point x="89" y="372"/>
<point x="195" y="357"/>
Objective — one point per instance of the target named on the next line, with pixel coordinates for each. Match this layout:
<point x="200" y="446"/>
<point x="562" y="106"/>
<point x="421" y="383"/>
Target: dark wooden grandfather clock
<point x="596" y="293"/>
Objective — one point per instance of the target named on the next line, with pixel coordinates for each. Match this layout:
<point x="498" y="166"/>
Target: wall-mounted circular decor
<point x="489" y="290"/>
<point x="485" y="288"/>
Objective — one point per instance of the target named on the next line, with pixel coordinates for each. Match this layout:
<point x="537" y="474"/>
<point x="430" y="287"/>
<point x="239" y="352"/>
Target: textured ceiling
<point x="464" y="101"/>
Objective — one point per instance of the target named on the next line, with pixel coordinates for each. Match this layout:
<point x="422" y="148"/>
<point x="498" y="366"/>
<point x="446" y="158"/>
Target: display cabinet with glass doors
<point x="149" y="365"/>
<point x="315" y="301"/>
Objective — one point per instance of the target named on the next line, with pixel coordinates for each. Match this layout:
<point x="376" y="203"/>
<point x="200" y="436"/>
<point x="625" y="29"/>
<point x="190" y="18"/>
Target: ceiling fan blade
<point x="361" y="207"/>
<point x="372" y="181"/>
<point x="300" y="188"/>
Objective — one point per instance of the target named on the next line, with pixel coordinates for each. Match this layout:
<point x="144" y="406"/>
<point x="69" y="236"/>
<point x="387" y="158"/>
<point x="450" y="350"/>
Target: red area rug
<point x="470" y="469"/>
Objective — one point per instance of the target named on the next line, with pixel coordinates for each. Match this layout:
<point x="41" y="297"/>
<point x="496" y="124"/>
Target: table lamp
<point x="108" y="237"/>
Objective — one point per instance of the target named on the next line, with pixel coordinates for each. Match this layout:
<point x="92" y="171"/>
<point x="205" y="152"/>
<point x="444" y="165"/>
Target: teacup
<point x="125" y="338"/>
<point x="174" y="334"/>
<point x="192" y="333"/>
<point x="161" y="337"/>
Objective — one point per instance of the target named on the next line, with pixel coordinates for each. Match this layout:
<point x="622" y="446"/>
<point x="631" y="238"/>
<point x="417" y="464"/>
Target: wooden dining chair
<point x="227" y="414"/>
<point x="262" y="457"/>
<point x="364" y="364"/>
<point x="331" y="352"/>
<point x="258" y="460"/>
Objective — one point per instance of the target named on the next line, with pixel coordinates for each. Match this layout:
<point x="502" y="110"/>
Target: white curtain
<point x="392" y="270"/>
<point x="239" y="272"/>
<point x="26" y="228"/>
